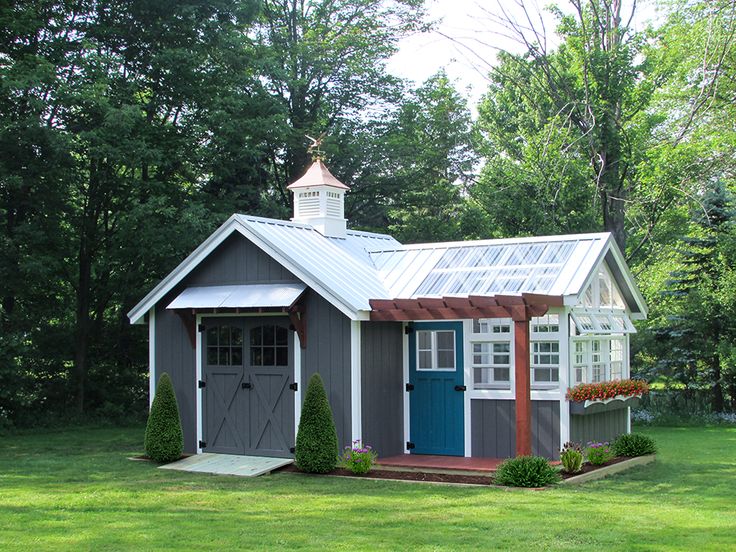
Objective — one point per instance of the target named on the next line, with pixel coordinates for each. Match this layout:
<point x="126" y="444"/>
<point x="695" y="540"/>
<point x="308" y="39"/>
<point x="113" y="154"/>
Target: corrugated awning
<point x="238" y="296"/>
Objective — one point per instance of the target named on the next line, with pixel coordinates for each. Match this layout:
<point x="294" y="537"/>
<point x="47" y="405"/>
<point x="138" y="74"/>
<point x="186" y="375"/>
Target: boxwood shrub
<point x="526" y="471"/>
<point x="316" y="440"/>
<point x="634" y="444"/>
<point x="164" y="439"/>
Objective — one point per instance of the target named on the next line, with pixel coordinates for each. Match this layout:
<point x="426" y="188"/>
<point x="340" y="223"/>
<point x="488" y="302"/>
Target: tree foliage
<point x="316" y="439"/>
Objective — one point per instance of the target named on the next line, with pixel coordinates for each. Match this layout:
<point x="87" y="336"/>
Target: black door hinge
<point x="201" y="384"/>
<point x="409" y="387"/>
<point x="201" y="327"/>
<point x="461" y="388"/>
<point x="292" y="450"/>
<point x="408" y="330"/>
<point x="294" y="386"/>
<point x="203" y="444"/>
<point x="246" y="385"/>
<point x="409" y="445"/>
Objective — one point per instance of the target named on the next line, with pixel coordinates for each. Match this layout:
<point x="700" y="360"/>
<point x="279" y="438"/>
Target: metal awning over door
<point x="246" y="296"/>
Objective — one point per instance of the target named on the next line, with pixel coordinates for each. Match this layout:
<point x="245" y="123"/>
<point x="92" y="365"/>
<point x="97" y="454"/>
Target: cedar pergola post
<point x="523" y="387"/>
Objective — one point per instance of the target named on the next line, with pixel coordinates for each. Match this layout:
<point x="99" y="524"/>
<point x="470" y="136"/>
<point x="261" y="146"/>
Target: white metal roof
<point x="350" y="271"/>
<point x="247" y="295"/>
<point x="553" y="265"/>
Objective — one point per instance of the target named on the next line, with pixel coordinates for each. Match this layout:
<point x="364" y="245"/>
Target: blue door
<point x="436" y="400"/>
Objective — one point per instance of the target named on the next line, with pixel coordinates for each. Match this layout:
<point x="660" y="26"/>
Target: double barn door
<point x="248" y="394"/>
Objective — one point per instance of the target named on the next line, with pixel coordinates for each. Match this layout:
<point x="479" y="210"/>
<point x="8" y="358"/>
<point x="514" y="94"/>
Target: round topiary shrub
<point x="634" y="444"/>
<point x="316" y="440"/>
<point x="164" y="439"/>
<point x="526" y="471"/>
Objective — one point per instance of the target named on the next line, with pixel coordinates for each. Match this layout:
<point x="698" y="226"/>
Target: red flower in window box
<point x="607" y="390"/>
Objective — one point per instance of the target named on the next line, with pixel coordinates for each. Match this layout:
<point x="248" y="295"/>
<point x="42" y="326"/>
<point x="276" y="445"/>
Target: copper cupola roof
<point x="317" y="175"/>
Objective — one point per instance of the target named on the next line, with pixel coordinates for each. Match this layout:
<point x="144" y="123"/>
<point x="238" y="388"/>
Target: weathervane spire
<point x="314" y="148"/>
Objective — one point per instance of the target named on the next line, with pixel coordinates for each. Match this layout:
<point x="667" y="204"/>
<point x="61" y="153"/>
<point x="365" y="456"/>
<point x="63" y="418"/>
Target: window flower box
<point x="592" y="398"/>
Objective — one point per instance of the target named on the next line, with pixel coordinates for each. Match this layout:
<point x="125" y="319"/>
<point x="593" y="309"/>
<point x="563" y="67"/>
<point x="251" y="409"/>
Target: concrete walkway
<point x="228" y="464"/>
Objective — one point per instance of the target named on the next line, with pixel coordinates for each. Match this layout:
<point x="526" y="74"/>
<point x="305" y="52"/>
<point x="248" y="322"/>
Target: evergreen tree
<point x="164" y="439"/>
<point x="316" y="440"/>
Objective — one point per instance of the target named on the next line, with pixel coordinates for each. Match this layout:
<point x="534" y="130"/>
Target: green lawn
<point x="76" y="490"/>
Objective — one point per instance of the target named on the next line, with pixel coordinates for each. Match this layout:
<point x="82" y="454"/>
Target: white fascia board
<point x="287" y="263"/>
<point x="578" y="287"/>
<point x="184" y="268"/>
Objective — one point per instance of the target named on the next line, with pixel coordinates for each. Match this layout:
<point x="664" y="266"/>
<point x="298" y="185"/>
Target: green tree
<point x="164" y="440"/>
<point x="316" y="439"/>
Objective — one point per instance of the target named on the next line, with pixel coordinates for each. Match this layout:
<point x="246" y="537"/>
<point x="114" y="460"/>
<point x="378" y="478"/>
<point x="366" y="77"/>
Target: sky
<point x="467" y="38"/>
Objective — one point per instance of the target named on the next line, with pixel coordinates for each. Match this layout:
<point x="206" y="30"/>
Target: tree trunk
<point x="717" y="402"/>
<point x="83" y="322"/>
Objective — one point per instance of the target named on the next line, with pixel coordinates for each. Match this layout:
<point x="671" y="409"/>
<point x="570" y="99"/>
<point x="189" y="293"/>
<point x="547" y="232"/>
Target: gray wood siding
<point x="235" y="261"/>
<point x="175" y="355"/>
<point x="382" y="386"/>
<point x="493" y="425"/>
<point x="328" y="353"/>
<point x="238" y="261"/>
<point x="604" y="426"/>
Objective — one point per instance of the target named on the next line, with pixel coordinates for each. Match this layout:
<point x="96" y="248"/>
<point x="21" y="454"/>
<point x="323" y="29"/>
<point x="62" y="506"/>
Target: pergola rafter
<point x="520" y="308"/>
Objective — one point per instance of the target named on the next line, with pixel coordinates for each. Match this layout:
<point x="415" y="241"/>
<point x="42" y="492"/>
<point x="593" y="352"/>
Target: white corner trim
<point x="565" y="367"/>
<point x="468" y="382"/>
<point x="407" y="398"/>
<point x="198" y="376"/>
<point x="151" y="355"/>
<point x="355" y="382"/>
<point x="298" y="381"/>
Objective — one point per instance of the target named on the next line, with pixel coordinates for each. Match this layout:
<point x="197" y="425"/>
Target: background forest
<point x="131" y="129"/>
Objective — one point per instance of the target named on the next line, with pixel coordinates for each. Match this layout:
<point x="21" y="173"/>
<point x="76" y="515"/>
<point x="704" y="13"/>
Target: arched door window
<point x="269" y="346"/>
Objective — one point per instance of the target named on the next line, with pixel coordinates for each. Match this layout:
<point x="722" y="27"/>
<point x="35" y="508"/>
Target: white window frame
<point x="605" y="357"/>
<point x="494" y="335"/>
<point x="545" y="384"/>
<point x="434" y="351"/>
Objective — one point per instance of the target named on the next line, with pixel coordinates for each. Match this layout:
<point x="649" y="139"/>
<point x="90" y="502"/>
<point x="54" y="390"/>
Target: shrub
<point x="571" y="457"/>
<point x="526" y="471"/>
<point x="164" y="439"/>
<point x="607" y="390"/>
<point x="358" y="459"/>
<point x="634" y="444"/>
<point x="316" y="440"/>
<point x="598" y="453"/>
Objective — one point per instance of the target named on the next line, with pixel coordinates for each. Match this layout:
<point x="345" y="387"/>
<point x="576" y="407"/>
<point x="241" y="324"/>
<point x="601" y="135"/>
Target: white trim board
<point x="198" y="377"/>
<point x="356" y="414"/>
<point x="151" y="355"/>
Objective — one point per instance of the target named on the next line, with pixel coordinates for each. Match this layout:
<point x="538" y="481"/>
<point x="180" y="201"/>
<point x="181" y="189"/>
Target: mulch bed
<point x="406" y="476"/>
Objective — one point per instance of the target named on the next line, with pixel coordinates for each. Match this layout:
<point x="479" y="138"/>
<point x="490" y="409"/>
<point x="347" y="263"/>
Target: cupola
<point x="319" y="200"/>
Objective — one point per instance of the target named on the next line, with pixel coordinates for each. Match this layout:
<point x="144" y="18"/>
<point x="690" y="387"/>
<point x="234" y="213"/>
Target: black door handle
<point x="460" y="388"/>
<point x="246" y="385"/>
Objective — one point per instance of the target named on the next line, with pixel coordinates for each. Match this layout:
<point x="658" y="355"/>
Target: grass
<point x="75" y="490"/>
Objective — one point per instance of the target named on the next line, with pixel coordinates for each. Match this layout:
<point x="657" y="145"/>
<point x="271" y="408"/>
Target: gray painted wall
<point x="382" y="383"/>
<point x="494" y="428"/>
<point x="604" y="426"/>
<point x="328" y="352"/>
<point x="236" y="261"/>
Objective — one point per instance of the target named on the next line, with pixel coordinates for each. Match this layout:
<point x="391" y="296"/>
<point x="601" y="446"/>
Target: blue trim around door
<point x="436" y="408"/>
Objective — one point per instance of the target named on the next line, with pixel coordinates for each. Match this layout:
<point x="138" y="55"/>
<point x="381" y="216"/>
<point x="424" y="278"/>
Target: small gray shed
<point x="463" y="348"/>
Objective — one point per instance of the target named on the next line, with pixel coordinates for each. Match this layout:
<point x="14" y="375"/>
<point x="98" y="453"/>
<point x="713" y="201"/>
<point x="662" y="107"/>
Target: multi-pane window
<point x="545" y="361"/>
<point x="598" y="366"/>
<point x="224" y="345"/>
<point x="269" y="346"/>
<point x="488" y="326"/>
<point x="491" y="364"/>
<point x="616" y="356"/>
<point x="546" y="324"/>
<point x="580" y="362"/>
<point x="435" y="350"/>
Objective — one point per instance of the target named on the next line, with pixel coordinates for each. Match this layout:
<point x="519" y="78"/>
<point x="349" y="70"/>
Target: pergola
<point x="520" y="308"/>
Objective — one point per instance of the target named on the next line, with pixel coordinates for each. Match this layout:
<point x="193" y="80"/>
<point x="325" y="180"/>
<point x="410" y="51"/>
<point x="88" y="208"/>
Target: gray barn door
<point x="269" y="371"/>
<point x="248" y="367"/>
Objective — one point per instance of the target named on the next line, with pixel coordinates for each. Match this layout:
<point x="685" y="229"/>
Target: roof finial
<point x="314" y="149"/>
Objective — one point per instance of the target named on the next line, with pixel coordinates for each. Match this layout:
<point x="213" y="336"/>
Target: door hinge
<point x="201" y="327"/>
<point x="409" y="387"/>
<point x="292" y="450"/>
<point x="408" y="330"/>
<point x="203" y="444"/>
<point x="461" y="388"/>
<point x="409" y="445"/>
<point x="201" y="384"/>
<point x="294" y="386"/>
<point x="246" y="385"/>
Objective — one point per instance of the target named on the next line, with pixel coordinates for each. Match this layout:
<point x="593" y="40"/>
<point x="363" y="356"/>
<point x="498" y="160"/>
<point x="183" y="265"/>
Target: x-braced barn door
<point x="249" y="387"/>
